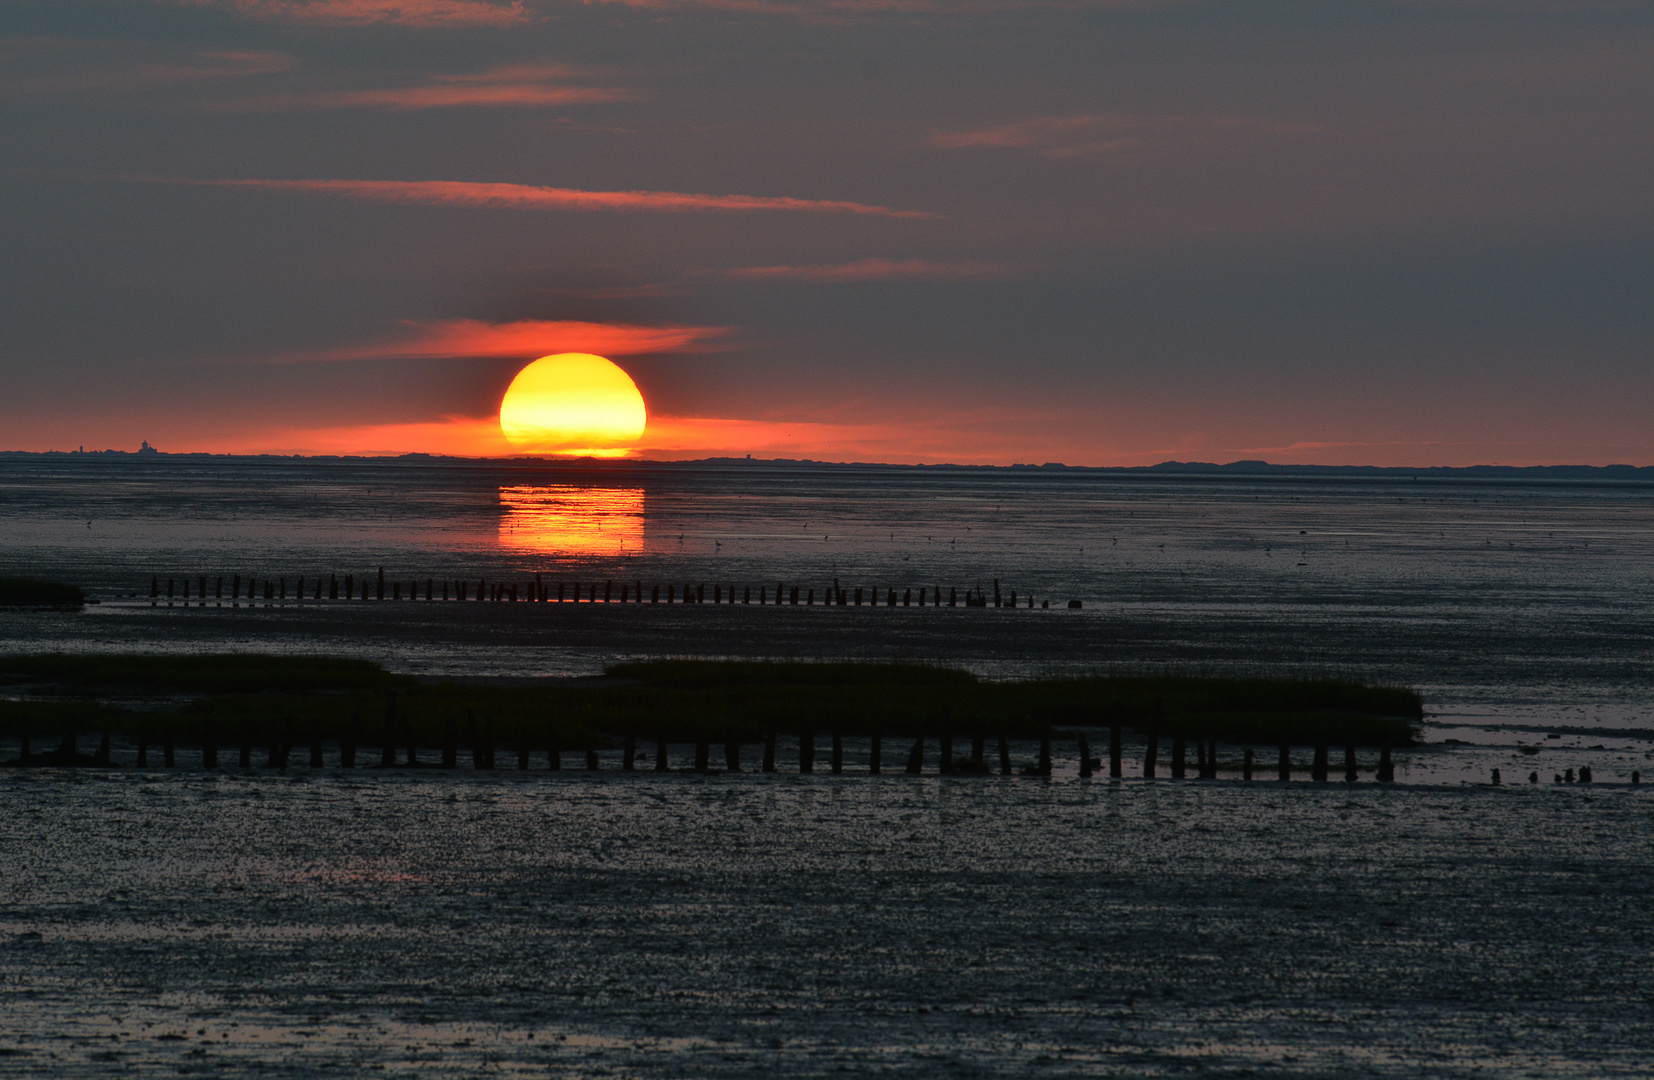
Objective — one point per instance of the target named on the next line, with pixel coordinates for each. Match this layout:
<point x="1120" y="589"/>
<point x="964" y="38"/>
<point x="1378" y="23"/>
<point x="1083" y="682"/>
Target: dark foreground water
<point x="232" y="923"/>
<point x="773" y="925"/>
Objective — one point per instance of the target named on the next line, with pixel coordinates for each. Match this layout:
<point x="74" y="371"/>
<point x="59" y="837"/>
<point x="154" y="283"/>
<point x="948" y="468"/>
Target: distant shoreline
<point x="1173" y="468"/>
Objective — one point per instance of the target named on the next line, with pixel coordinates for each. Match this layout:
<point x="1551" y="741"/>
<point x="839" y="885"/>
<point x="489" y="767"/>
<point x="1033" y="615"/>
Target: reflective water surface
<point x="234" y="923"/>
<point x="599" y="924"/>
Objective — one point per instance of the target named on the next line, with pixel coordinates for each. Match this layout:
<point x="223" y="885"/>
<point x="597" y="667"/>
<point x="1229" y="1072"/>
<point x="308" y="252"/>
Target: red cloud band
<point x="528" y="197"/>
<point x="530" y="338"/>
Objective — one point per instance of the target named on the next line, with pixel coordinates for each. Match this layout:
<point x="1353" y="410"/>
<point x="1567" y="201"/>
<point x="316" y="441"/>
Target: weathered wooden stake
<point x="806" y="751"/>
<point x="1045" y="755"/>
<point x="1180" y="764"/>
<point x="628" y="755"/>
<point x="1319" y="769"/>
<point x="1386" y="769"/>
<point x="1085" y="756"/>
<point x="1116" y="764"/>
<point x="703" y="756"/>
<point x="591" y="759"/>
<point x="916" y="757"/>
<point x="1246" y="764"/>
<point x="662" y="763"/>
<point x="1352" y="772"/>
<point x="1004" y="754"/>
<point x="1151" y="746"/>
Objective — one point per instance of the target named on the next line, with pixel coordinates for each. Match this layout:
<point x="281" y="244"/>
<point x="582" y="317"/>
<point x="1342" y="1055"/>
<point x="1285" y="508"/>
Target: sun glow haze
<point x="573" y="403"/>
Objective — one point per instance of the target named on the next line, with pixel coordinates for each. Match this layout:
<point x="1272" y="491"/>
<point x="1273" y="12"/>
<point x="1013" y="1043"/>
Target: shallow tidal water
<point x="740" y="925"/>
<point x="385" y="922"/>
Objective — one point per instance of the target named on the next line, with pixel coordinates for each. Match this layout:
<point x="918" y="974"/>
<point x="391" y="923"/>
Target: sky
<point x="976" y="231"/>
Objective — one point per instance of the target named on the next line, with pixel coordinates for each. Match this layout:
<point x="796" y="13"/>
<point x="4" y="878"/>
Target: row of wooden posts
<point x="541" y="591"/>
<point x="277" y="754"/>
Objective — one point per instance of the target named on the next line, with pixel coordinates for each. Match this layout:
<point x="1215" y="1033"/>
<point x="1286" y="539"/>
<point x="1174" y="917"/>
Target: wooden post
<point x="838" y="754"/>
<point x="1352" y="772"/>
<point x="591" y="759"/>
<point x="662" y="761"/>
<point x="769" y="750"/>
<point x="732" y="751"/>
<point x="554" y="756"/>
<point x="166" y="750"/>
<point x="1151" y="745"/>
<point x="979" y="751"/>
<point x="347" y="747"/>
<point x="450" y="743"/>
<point x="875" y="751"/>
<point x="102" y="755"/>
<point x="1004" y="753"/>
<point x="806" y="751"/>
<point x="1085" y="756"/>
<point x="381" y="593"/>
<point x="1319" y="774"/>
<point x="1386" y="769"/>
<point x="1283" y="768"/>
<point x="1045" y="755"/>
<point x="946" y="751"/>
<point x="703" y="756"/>
<point x="916" y="757"/>
<point x="522" y="755"/>
<point x="628" y="755"/>
<point x="1116" y="764"/>
<point x="1246" y="765"/>
<point x="1180" y="764"/>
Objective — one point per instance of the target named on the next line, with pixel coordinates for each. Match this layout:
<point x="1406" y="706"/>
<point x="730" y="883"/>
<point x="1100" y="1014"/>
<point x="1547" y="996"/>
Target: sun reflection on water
<point x="566" y="520"/>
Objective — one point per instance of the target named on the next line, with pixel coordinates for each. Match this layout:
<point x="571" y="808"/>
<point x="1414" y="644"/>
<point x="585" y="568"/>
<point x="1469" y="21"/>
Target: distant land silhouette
<point x="150" y="455"/>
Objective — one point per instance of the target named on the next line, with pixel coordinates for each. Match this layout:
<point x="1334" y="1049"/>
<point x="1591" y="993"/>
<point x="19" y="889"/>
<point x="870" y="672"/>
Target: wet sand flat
<point x="417" y="924"/>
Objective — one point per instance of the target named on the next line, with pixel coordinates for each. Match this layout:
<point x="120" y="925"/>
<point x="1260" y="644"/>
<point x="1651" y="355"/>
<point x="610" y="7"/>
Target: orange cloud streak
<point x="874" y="269"/>
<point x="418" y="13"/>
<point x="528" y="339"/>
<point x="524" y="85"/>
<point x="527" y="197"/>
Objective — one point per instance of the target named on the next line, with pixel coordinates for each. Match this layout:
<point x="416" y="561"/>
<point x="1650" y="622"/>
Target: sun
<point x="573" y="403"/>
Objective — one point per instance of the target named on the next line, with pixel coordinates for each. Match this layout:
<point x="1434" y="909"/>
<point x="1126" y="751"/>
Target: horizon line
<point x="1242" y="465"/>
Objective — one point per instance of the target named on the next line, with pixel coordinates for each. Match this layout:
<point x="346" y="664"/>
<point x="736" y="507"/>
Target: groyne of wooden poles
<point x="253" y="590"/>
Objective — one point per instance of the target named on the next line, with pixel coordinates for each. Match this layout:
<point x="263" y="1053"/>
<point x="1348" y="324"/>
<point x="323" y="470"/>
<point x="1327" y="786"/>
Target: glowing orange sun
<point x="573" y="403"/>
